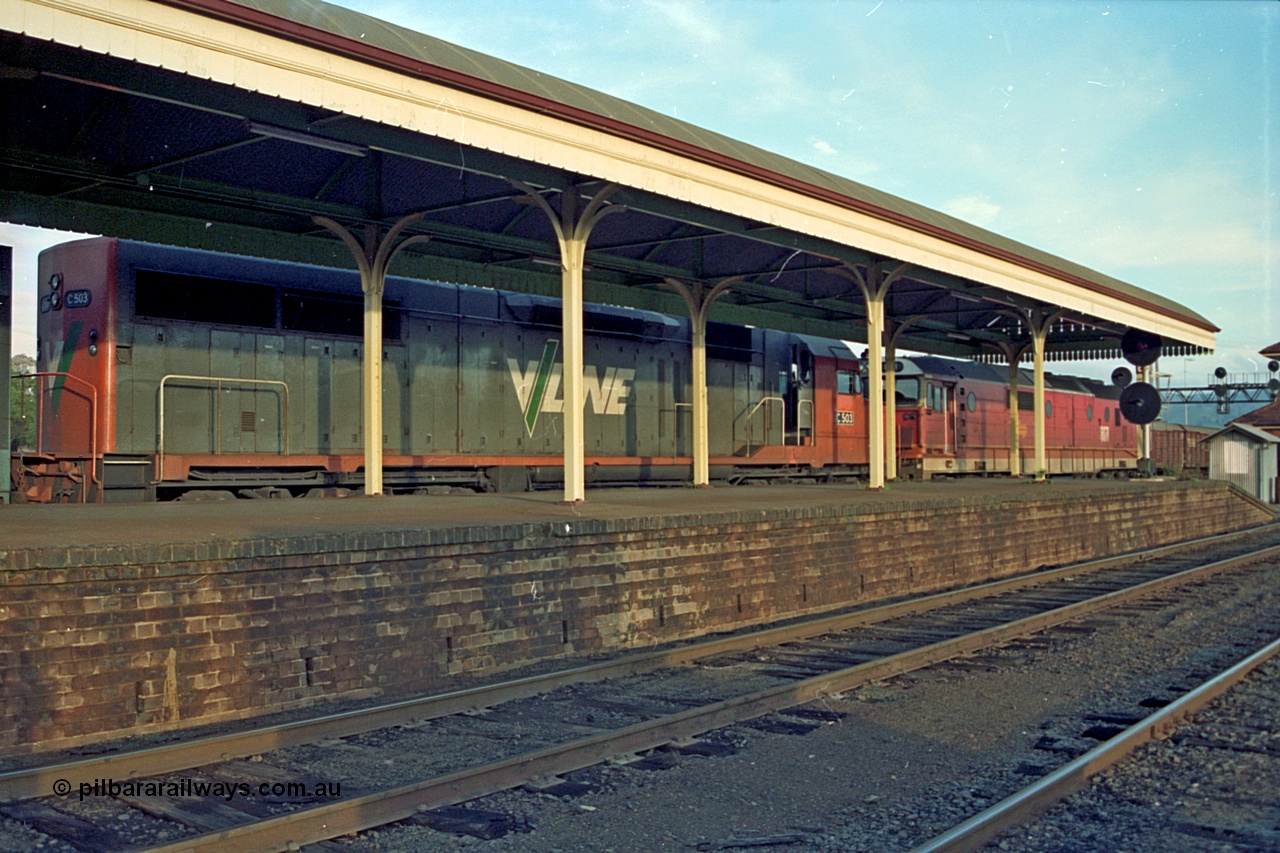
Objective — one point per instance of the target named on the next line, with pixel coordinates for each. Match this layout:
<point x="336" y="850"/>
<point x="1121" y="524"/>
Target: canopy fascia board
<point x="176" y="39"/>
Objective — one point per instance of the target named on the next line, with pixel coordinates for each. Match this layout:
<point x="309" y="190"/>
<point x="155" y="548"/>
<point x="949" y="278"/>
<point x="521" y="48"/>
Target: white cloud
<point x="976" y="209"/>
<point x="823" y="147"/>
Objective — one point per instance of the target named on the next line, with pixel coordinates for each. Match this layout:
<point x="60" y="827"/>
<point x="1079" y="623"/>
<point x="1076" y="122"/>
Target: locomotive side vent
<point x="248" y="421"/>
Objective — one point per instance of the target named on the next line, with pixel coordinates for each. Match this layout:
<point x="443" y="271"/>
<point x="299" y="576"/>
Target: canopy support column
<point x="875" y="286"/>
<point x="1013" y="353"/>
<point x="892" y="329"/>
<point x="699" y="304"/>
<point x="1039" y="322"/>
<point x="373" y="257"/>
<point x="573" y="226"/>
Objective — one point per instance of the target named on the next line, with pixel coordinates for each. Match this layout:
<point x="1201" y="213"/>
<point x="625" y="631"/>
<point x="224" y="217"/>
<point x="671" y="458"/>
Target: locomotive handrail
<point x="675" y="429"/>
<point x="93" y="424"/>
<point x="751" y="415"/>
<point x="217" y="380"/>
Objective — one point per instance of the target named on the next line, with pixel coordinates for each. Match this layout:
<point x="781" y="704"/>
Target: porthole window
<point x="1106" y="415"/>
<point x="972" y="402"/>
<point x="1088" y="412"/>
<point x="1048" y="409"/>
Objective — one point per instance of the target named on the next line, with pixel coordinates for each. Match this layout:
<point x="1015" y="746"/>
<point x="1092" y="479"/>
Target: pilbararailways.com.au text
<point x="197" y="788"/>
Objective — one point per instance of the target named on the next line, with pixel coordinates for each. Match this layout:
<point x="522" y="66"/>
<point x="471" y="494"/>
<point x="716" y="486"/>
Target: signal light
<point x="1140" y="348"/>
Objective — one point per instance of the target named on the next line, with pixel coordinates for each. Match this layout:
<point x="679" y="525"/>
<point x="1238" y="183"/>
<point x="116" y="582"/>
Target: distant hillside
<point x="1204" y="414"/>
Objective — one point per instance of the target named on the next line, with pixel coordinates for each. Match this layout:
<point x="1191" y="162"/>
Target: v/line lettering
<point x="537" y="386"/>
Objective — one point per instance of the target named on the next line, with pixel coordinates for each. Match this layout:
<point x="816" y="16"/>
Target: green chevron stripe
<point x="540" y="385"/>
<point x="64" y="364"/>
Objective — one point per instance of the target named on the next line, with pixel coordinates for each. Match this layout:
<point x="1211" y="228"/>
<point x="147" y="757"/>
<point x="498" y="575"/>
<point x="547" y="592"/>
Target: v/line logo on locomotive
<point x="537" y="385"/>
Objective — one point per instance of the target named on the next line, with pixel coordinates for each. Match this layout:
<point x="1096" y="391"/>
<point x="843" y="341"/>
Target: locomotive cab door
<point x="798" y="397"/>
<point x="941" y="402"/>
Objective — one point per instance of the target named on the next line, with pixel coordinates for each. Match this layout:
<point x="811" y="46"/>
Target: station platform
<point x="124" y="619"/>
<point x="49" y="528"/>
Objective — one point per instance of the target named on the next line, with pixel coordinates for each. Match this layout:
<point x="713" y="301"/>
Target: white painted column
<point x="371" y="383"/>
<point x="875" y="390"/>
<point x="373" y="257"/>
<point x="874" y="285"/>
<point x="573" y="226"/>
<point x="699" y="305"/>
<point x="1042" y="462"/>
<point x="1013" y="353"/>
<point x="891" y="332"/>
<point x="890" y="406"/>
<point x="1040" y="323"/>
<point x="1015" y="444"/>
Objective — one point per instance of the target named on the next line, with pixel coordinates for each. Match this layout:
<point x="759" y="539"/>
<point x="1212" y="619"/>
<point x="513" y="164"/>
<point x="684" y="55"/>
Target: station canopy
<point x="229" y="125"/>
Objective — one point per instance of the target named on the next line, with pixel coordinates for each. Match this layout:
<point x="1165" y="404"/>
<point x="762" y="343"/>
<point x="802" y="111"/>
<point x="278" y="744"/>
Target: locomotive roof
<point x="933" y="365"/>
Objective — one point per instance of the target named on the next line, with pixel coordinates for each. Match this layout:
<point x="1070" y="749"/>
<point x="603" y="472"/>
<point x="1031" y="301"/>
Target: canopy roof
<point x="228" y="125"/>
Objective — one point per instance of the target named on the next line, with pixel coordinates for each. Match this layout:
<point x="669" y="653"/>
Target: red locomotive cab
<point x="75" y="363"/>
<point x="909" y="419"/>
<point x="849" y="428"/>
<point x="839" y="423"/>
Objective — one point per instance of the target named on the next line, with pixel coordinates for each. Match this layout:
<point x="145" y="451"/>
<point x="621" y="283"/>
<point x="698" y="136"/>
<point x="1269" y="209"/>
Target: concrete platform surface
<point x="29" y="526"/>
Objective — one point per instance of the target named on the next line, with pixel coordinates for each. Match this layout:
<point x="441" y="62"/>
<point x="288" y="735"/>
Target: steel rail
<point x="296" y="829"/>
<point x="1030" y="802"/>
<point x="26" y="783"/>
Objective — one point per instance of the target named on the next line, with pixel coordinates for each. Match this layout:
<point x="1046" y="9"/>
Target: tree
<point x="22" y="404"/>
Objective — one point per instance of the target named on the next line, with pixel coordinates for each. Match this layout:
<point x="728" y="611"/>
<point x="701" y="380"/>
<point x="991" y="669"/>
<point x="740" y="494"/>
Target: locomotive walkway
<point x="81" y="526"/>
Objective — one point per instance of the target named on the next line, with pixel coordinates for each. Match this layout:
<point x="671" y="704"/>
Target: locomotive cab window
<point x="937" y="398"/>
<point x="848" y="382"/>
<point x="907" y="392"/>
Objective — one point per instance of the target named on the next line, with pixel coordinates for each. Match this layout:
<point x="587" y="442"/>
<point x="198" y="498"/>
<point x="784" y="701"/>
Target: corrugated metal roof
<point x="344" y="31"/>
<point x="1252" y="432"/>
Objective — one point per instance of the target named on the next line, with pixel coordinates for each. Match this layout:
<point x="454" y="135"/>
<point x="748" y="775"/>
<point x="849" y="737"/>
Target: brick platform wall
<point x="98" y="643"/>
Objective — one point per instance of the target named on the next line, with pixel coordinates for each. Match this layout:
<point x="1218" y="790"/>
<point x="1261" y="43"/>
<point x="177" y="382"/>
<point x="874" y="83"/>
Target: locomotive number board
<point x="844" y="418"/>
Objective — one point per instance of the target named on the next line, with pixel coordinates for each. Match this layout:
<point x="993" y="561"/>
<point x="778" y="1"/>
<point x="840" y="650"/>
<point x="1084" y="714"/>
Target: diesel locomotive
<point x="172" y="373"/>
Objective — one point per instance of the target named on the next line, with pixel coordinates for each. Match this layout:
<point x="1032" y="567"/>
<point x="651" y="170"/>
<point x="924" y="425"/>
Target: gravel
<point x="913" y="755"/>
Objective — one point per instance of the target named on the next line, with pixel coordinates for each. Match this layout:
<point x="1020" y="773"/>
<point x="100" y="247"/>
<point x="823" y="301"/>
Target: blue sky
<point x="1135" y="137"/>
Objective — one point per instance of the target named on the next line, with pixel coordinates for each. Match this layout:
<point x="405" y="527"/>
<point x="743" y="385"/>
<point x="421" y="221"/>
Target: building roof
<point x="1272" y="351"/>
<point x="371" y="40"/>
<point x="1266" y="416"/>
<point x="1244" y="429"/>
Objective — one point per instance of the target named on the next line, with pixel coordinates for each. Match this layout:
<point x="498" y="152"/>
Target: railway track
<point x="1025" y="805"/>
<point x="563" y="721"/>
